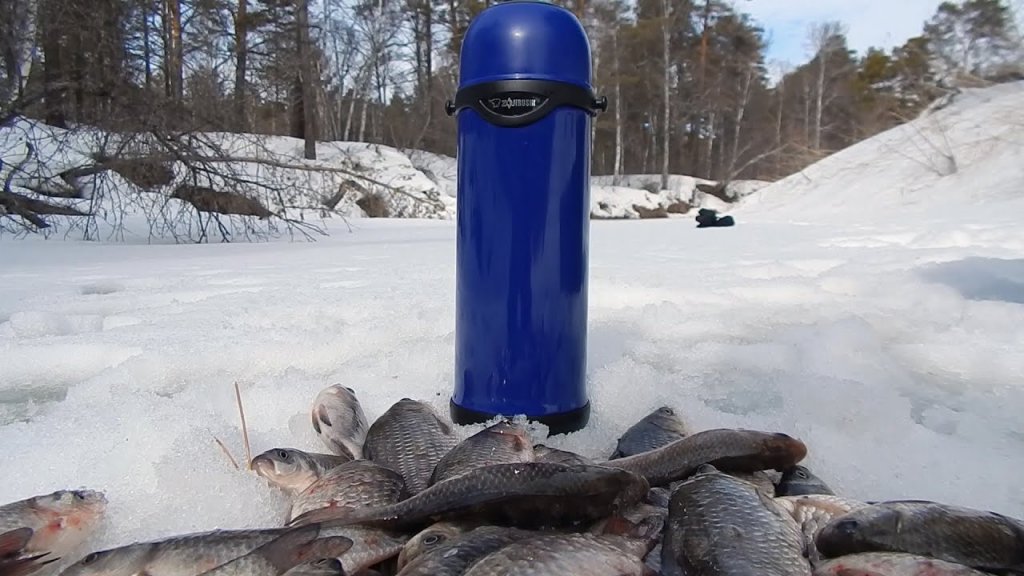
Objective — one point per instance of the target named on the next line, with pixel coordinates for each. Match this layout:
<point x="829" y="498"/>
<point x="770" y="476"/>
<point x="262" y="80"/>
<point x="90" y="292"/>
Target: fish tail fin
<point x="282" y="551"/>
<point x="26" y="565"/>
<point x="329" y="547"/>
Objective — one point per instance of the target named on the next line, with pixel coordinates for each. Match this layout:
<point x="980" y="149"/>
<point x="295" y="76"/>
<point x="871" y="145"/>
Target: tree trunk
<point x="306" y="79"/>
<point x="666" y="35"/>
<point x="175" y="51"/>
<point x="617" y="170"/>
<point x="241" y="62"/>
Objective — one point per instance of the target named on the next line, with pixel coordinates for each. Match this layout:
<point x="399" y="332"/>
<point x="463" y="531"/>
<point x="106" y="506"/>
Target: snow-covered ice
<point x="891" y="342"/>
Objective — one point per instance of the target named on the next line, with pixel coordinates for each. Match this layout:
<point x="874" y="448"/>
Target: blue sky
<point x="881" y="23"/>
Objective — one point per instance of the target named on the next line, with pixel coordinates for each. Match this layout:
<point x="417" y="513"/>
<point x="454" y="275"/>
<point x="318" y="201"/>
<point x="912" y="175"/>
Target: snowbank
<point x="963" y="153"/>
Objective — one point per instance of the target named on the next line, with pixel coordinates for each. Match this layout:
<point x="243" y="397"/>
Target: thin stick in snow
<point x="245" y="430"/>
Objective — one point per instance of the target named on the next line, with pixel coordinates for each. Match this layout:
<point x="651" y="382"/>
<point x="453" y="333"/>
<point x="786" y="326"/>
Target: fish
<point x="293" y="470"/>
<point x="983" y="540"/>
<point x="729" y="450"/>
<point x="720" y="525"/>
<point x="370" y="546"/>
<point x="339" y="421"/>
<point x="523" y="495"/>
<point x="284" y="553"/>
<point x="609" y="554"/>
<point x="798" y="481"/>
<point x="814" y="511"/>
<point x="355" y="484"/>
<point x="501" y="443"/>
<point x="181" y="555"/>
<point x="321" y="567"/>
<point x="892" y="564"/>
<point x="658" y="497"/>
<point x="451" y="557"/>
<point x="760" y="478"/>
<point x="411" y="439"/>
<point x="544" y="453"/>
<point x="61" y="521"/>
<point x="431" y="537"/>
<point x="655" y="430"/>
<point x="13" y="561"/>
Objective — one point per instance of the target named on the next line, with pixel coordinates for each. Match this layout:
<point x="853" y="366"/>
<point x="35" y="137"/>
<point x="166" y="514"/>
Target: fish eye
<point x="79" y="495"/>
<point x="667" y="410"/>
<point x="283" y="455"/>
<point x="800" y="474"/>
<point x="92" y="557"/>
<point x="351" y="391"/>
<point x="431" y="539"/>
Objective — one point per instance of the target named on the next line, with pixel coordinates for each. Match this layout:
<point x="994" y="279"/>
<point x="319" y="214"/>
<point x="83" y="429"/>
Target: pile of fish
<point x="408" y="496"/>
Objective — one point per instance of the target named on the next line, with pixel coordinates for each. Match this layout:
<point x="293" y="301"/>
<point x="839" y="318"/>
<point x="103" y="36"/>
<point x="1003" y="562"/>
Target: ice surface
<point x="892" y="345"/>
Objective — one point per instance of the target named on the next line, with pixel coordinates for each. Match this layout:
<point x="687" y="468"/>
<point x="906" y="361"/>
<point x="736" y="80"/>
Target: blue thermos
<point x="524" y="109"/>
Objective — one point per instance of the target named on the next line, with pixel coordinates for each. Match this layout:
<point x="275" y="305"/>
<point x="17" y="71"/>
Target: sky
<point x="880" y="23"/>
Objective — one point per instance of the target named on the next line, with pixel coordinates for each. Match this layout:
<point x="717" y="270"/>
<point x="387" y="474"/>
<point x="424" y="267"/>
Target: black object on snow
<point x="709" y="219"/>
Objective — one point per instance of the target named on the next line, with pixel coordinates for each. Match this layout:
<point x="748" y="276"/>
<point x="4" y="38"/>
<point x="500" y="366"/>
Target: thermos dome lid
<point x="525" y="39"/>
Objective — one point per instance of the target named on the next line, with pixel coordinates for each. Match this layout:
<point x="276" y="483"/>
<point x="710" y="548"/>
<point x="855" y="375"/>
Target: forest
<point x="689" y="86"/>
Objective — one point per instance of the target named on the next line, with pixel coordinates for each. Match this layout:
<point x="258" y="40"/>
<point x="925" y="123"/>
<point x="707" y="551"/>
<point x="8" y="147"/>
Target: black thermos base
<point x="560" y="423"/>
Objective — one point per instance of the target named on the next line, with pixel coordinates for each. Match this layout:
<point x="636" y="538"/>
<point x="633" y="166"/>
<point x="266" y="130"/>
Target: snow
<point x="868" y="306"/>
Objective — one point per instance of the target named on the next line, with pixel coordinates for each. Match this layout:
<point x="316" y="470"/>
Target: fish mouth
<point x="263" y="466"/>
<point x="784" y="450"/>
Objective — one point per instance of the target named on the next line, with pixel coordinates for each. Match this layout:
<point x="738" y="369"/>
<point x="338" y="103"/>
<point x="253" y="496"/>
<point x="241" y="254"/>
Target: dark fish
<point x="544" y="453"/>
<point x="730" y="450"/>
<point x="502" y="443"/>
<point x="892" y="564"/>
<point x="655" y="430"/>
<point x="339" y="421"/>
<point x="355" y="484"/>
<point x="321" y="567"/>
<point x="798" y="481"/>
<point x="411" y="439"/>
<point x="284" y="553"/>
<point x="524" y="495"/>
<point x="812" y="512"/>
<point x="431" y="537"/>
<point x="608" y="554"/>
<point x="294" y="470"/>
<point x="760" y="478"/>
<point x="454" y="556"/>
<point x="719" y="525"/>
<point x="983" y="540"/>
<point x="184" y="555"/>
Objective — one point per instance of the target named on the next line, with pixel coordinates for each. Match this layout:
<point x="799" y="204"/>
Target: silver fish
<point x="655" y="430"/>
<point x="355" y="484"/>
<point x="892" y="564"/>
<point x="61" y="521"/>
<point x="284" y="553"/>
<point x="526" y="495"/>
<point x="719" y="525"/>
<point x="411" y="439"/>
<point x="339" y="421"/>
<point x="980" y="539"/>
<point x="501" y="443"/>
<point x="733" y="450"/>
<point x="294" y="470"/>
<point x="183" y="555"/>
